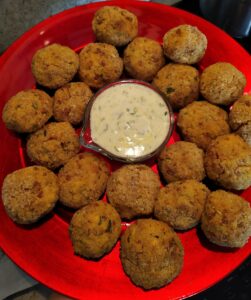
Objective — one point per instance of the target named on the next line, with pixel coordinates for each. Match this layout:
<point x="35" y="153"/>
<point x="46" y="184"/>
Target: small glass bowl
<point x="85" y="134"/>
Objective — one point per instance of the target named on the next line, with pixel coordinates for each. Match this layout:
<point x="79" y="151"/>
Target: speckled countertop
<point x="17" y="16"/>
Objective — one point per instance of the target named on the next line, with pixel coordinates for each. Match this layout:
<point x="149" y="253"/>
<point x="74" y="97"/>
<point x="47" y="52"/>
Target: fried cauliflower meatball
<point x="114" y="25"/>
<point x="201" y="122"/>
<point x="29" y="193"/>
<point x="245" y="132"/>
<point x="132" y="190"/>
<point x="151" y="253"/>
<point x="185" y="44"/>
<point x="70" y="102"/>
<point x="27" y="111"/>
<point x="180" y="204"/>
<point x="226" y="219"/>
<point x="53" y="145"/>
<point x="55" y="65"/>
<point x="100" y="64"/>
<point x="221" y="83"/>
<point x="94" y="229"/>
<point x="82" y="180"/>
<point x="180" y="161"/>
<point x="179" y="83"/>
<point x="240" y="117"/>
<point x="228" y="162"/>
<point x="240" y="113"/>
<point x="143" y="58"/>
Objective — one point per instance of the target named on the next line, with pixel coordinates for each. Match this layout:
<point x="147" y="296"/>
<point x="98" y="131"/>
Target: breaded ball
<point x="70" y="102"/>
<point x="29" y="193"/>
<point x="95" y="229"/>
<point x="221" y="83"/>
<point x="53" y="145"/>
<point x="240" y="113"/>
<point x="114" y="25"/>
<point x="143" y="58"/>
<point x="185" y="44"/>
<point x="240" y="118"/>
<point x="27" y="111"/>
<point x="100" y="64"/>
<point x="82" y="180"/>
<point x="179" y="83"/>
<point x="245" y="132"/>
<point x="228" y="162"/>
<point x="226" y="219"/>
<point x="151" y="253"/>
<point x="55" y="65"/>
<point x="201" y="122"/>
<point x="181" y="161"/>
<point x="180" y="204"/>
<point x="132" y="190"/>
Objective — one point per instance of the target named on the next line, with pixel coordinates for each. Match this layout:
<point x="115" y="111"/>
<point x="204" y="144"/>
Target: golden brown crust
<point x="221" y="83"/>
<point x="201" y="122"/>
<point x="240" y="113"/>
<point x="180" y="161"/>
<point x="70" y="102"/>
<point x="132" y="190"/>
<point x="180" y="204"/>
<point x="228" y="162"/>
<point x="143" y="58"/>
<point x="114" y="25"/>
<point x="100" y="64"/>
<point x="53" y="145"/>
<point x="151" y="253"/>
<point x="27" y="111"/>
<point x="185" y="44"/>
<point x="95" y="229"/>
<point x="240" y="118"/>
<point x="226" y="220"/>
<point x="54" y="65"/>
<point x="29" y="193"/>
<point x="179" y="83"/>
<point x="245" y="132"/>
<point x="82" y="180"/>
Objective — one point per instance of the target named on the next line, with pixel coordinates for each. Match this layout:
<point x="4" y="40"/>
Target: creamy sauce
<point x="129" y="120"/>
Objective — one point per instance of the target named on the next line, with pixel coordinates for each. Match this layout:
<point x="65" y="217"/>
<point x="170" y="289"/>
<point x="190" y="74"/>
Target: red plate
<point x="45" y="251"/>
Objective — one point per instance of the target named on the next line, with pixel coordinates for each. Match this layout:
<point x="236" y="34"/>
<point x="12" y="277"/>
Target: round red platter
<point x="44" y="250"/>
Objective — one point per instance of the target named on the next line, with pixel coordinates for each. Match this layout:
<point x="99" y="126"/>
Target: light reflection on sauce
<point x="129" y="120"/>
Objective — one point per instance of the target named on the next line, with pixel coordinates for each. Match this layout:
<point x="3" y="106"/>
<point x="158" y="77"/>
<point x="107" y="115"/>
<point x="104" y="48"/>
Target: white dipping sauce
<point x="129" y="120"/>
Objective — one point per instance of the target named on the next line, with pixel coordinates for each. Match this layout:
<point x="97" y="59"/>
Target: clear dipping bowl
<point x="135" y="153"/>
